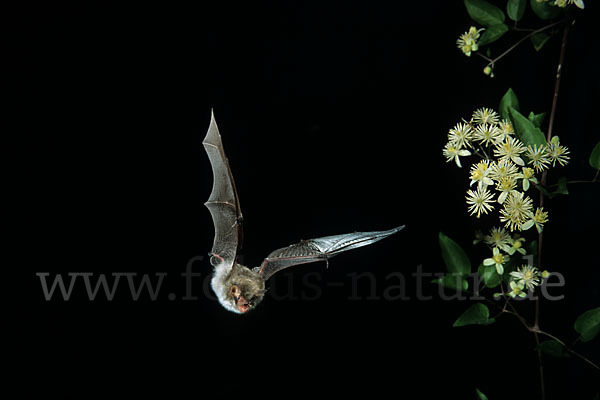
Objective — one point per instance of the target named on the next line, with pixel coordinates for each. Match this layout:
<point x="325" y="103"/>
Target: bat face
<point x="240" y="290"/>
<point x="244" y="298"/>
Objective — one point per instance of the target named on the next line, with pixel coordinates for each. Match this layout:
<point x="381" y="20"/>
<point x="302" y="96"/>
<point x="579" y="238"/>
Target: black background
<point x="333" y="115"/>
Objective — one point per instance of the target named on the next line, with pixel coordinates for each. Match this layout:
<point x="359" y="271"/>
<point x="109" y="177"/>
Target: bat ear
<point x="235" y="291"/>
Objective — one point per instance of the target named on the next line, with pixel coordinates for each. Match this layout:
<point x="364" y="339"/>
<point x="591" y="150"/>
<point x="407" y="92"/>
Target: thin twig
<point x="536" y="331"/>
<point x="484" y="153"/>
<point x="511" y="48"/>
<point x="569" y="183"/>
<point x="569" y="349"/>
<point x="563" y="47"/>
<point x="523" y="29"/>
<point x="486" y="58"/>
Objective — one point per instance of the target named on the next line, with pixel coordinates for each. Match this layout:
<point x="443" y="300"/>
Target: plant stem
<point x="536" y="322"/>
<point x="563" y="47"/>
<point x="539" y="355"/>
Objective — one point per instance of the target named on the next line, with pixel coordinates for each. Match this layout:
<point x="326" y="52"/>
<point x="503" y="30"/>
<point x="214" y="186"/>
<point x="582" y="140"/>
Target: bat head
<point x="240" y="290"/>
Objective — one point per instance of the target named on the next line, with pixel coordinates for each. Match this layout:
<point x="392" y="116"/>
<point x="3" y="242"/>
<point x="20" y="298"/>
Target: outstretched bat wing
<point x="312" y="250"/>
<point x="223" y="202"/>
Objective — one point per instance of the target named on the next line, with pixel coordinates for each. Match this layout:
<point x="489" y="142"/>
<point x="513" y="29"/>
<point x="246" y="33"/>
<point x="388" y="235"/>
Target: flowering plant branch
<point x="515" y="157"/>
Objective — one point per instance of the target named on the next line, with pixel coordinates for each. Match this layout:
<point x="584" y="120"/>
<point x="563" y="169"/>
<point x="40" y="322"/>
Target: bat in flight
<point x="239" y="288"/>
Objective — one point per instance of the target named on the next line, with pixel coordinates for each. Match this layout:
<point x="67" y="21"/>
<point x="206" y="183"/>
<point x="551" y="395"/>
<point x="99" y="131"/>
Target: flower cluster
<point x="504" y="246"/>
<point x="467" y="42"/>
<point x="525" y="278"/>
<point x="563" y="3"/>
<point x="506" y="171"/>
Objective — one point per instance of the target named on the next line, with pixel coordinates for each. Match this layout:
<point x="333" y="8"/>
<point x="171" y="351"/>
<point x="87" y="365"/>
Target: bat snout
<point x="243" y="305"/>
<point x="240" y="301"/>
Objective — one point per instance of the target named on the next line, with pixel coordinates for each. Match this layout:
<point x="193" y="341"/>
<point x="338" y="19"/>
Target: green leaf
<point x="480" y="395"/>
<point x="595" y="157"/>
<point x="477" y="314"/>
<point x="544" y="10"/>
<point x="588" y="324"/>
<point x="509" y="99"/>
<point x="484" y="13"/>
<point x="488" y="275"/>
<point x="539" y="40"/>
<point x="515" y="9"/>
<point x="454" y="256"/>
<point x="492" y="34"/>
<point x="536" y="119"/>
<point x="562" y="186"/>
<point x="453" y="281"/>
<point x="553" y="348"/>
<point x="524" y="128"/>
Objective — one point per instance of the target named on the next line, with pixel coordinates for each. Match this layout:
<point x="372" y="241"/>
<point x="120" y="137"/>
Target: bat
<point x="239" y="288"/>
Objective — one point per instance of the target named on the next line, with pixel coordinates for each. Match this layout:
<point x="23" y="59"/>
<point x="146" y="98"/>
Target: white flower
<point x="538" y="219"/>
<point x="557" y="153"/>
<point x="460" y="136"/>
<point x="517" y="245"/>
<point x="503" y="169"/>
<point x="467" y="42"/>
<point x="527" y="177"/>
<point x="498" y="237"/>
<point x="479" y="201"/>
<point x="510" y="148"/>
<point x="485" y="116"/>
<point x="517" y="210"/>
<point x="506" y="186"/>
<point x="452" y="152"/>
<point x="480" y="172"/>
<point x="487" y="134"/>
<point x="526" y="276"/>
<point x="506" y="129"/>
<point x="538" y="156"/>
<point x="498" y="259"/>
<point x="516" y="290"/>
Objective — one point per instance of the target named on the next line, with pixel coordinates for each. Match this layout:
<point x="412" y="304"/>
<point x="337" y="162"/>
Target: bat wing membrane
<point x="223" y="202"/>
<point x="312" y="250"/>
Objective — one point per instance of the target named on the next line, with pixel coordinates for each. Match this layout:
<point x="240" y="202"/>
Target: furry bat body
<point x="239" y="288"/>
